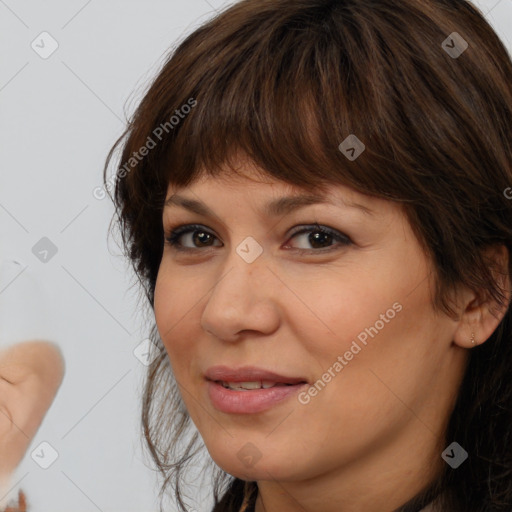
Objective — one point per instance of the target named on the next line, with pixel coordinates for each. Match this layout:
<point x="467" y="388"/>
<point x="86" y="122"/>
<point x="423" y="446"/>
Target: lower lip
<point x="252" y="401"/>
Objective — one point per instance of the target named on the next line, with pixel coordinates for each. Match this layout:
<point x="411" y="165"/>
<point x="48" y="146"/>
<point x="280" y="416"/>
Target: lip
<point x="249" y="374"/>
<point x="249" y="402"/>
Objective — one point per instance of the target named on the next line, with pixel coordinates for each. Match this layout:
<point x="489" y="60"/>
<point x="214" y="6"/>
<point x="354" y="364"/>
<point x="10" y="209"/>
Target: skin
<point x="371" y="439"/>
<point x="31" y="373"/>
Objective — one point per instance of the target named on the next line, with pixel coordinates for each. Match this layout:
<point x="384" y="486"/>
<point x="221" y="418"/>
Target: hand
<point x="30" y="375"/>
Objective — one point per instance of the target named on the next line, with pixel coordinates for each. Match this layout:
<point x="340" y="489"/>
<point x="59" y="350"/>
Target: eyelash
<point x="172" y="237"/>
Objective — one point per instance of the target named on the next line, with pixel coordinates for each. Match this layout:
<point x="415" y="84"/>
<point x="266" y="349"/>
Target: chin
<point x="263" y="469"/>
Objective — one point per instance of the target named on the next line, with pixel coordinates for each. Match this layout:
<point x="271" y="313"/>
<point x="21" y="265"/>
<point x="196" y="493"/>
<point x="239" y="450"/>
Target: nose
<point x="244" y="299"/>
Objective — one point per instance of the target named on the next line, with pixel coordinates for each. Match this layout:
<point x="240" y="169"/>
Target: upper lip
<point x="248" y="374"/>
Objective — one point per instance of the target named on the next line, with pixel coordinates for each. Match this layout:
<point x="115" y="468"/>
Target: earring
<point x="472" y="337"/>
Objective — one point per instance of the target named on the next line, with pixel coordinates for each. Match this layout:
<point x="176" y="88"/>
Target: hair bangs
<point x="290" y="111"/>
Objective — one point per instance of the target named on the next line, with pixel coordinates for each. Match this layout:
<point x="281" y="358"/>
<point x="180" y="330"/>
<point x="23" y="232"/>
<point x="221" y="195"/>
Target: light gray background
<point x="59" y="117"/>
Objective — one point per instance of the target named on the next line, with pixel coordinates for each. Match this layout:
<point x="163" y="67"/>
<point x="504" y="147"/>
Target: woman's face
<point x="350" y="316"/>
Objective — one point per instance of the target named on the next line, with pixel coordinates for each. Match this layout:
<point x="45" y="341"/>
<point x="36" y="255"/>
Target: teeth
<point x="240" y="386"/>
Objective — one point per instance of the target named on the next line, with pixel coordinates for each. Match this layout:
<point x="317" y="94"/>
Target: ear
<point x="482" y="315"/>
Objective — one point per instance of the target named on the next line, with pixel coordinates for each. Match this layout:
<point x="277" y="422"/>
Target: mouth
<point x="249" y="390"/>
<point x="250" y="377"/>
<point x="236" y="399"/>
<point x="251" y="386"/>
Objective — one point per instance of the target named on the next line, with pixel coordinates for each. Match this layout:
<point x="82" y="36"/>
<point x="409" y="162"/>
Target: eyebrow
<point x="275" y="208"/>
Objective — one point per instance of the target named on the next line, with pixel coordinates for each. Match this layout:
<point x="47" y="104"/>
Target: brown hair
<point x="285" y="82"/>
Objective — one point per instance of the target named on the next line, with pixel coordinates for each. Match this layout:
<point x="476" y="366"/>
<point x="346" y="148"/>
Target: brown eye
<point x="193" y="234"/>
<point x="320" y="238"/>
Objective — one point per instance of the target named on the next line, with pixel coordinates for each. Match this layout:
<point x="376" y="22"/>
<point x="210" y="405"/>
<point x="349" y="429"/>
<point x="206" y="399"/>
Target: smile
<point x="250" y="397"/>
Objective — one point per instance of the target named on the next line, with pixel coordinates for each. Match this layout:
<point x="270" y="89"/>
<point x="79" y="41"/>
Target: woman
<point x="313" y="194"/>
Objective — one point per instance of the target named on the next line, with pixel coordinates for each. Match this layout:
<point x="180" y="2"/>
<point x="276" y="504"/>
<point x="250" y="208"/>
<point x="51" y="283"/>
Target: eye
<point x="200" y="236"/>
<point x="320" y="238"/>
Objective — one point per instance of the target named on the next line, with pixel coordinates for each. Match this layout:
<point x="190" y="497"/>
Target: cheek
<point x="172" y="299"/>
<point x="382" y="357"/>
<point x="376" y="320"/>
<point x="353" y="306"/>
<point x="176" y="306"/>
<point x="167" y="308"/>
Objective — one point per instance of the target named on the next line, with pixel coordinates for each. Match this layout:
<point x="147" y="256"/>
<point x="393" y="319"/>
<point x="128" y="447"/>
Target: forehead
<point x="241" y="171"/>
<point x="196" y="197"/>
